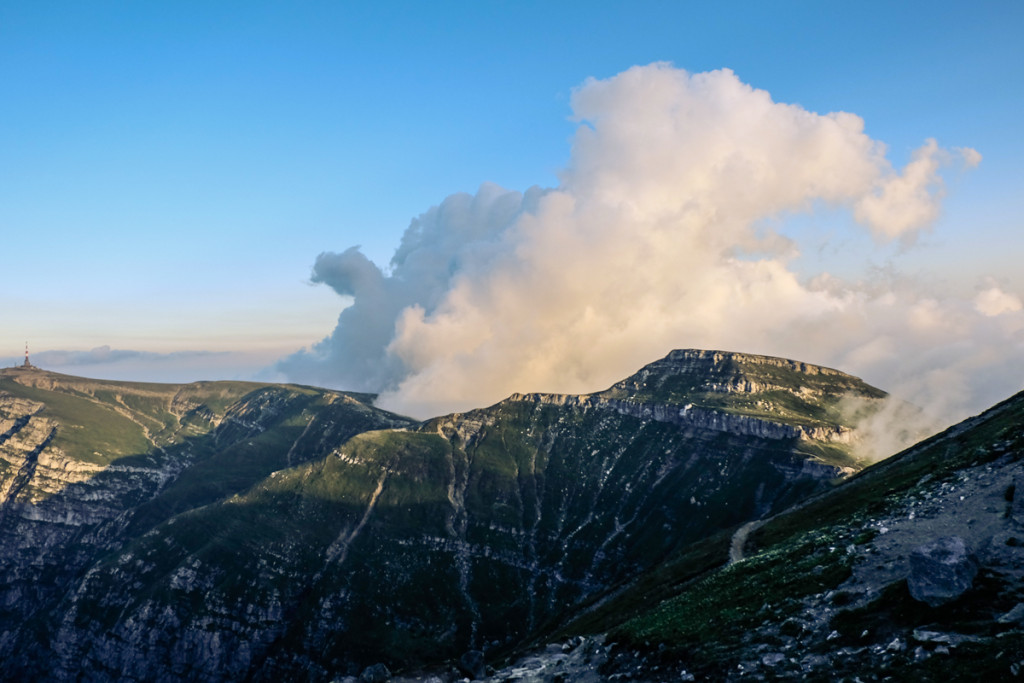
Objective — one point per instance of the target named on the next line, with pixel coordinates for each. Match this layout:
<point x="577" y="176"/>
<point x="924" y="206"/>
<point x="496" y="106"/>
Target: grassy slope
<point x="297" y="425"/>
<point x="88" y="430"/>
<point x="976" y="441"/>
<point x="228" y="435"/>
<point x="102" y="421"/>
<point x="532" y="475"/>
<point x="795" y="553"/>
<point x="278" y="543"/>
<point x="326" y="496"/>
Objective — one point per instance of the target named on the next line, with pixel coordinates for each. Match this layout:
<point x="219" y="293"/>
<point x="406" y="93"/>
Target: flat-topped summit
<point x="766" y="387"/>
<point x="684" y="370"/>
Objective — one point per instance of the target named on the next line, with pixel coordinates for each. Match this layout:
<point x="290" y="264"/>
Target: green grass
<point x="92" y="425"/>
<point x="703" y="613"/>
<point x="259" y="509"/>
<point x="232" y="459"/>
<point x="217" y="396"/>
<point x="711" y="616"/>
<point x="649" y="589"/>
<point x="830" y="454"/>
<point x="86" y="431"/>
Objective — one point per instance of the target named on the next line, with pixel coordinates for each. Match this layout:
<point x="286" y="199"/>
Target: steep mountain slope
<point x="816" y="401"/>
<point x="272" y="543"/>
<point x="87" y="465"/>
<point x="826" y="590"/>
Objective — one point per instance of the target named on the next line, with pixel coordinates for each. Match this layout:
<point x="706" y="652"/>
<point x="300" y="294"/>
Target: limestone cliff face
<point x="701" y="418"/>
<point x="270" y="532"/>
<point x="776" y="389"/>
<point x="743" y="372"/>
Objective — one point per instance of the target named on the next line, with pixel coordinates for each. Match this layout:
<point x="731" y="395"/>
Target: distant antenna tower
<point x="27" y="364"/>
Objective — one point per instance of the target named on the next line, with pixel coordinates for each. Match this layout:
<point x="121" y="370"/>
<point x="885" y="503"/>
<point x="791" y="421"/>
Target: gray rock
<point x="923" y="636"/>
<point x="941" y="571"/>
<point x="812" y="662"/>
<point x="377" y="673"/>
<point x="472" y="664"/>
<point x="1014" y="616"/>
<point x="896" y="645"/>
<point x="1017" y="502"/>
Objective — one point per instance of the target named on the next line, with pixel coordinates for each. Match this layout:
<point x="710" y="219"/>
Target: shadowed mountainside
<point x="826" y="589"/>
<point x="220" y="531"/>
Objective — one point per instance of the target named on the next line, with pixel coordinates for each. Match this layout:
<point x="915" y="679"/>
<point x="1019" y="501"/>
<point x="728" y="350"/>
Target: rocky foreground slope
<point x="225" y="531"/>
<point x="911" y="570"/>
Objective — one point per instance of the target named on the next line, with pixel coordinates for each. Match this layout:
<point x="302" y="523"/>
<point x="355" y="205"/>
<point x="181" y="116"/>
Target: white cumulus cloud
<point x="654" y="239"/>
<point x="904" y="203"/>
<point x="993" y="301"/>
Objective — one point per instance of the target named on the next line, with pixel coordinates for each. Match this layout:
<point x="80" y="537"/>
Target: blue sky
<point x="170" y="171"/>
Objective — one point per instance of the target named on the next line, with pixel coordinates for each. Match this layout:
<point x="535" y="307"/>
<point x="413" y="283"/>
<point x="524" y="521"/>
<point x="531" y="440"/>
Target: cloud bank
<point x="104" y="362"/>
<point x="103" y="355"/>
<point x="659" y="236"/>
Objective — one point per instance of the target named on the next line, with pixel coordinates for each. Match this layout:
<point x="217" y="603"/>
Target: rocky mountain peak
<point x="764" y="387"/>
<point x="686" y="371"/>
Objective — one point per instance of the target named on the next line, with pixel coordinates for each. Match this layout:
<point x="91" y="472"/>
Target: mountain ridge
<point x="822" y="593"/>
<point x="407" y="544"/>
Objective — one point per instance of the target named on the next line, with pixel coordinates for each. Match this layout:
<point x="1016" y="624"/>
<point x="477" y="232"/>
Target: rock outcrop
<point x="941" y="571"/>
<point x="702" y="418"/>
<point x="911" y="570"/>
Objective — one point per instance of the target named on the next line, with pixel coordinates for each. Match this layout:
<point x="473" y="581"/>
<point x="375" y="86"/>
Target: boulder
<point x="1015" y="496"/>
<point x="378" y="673"/>
<point x="472" y="664"/>
<point x="1014" y="616"/>
<point x="941" y="571"/>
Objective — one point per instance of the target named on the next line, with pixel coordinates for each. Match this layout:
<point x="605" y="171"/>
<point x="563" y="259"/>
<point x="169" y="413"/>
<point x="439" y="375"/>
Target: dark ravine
<point x="224" y="531"/>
